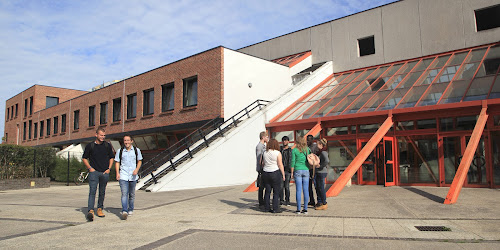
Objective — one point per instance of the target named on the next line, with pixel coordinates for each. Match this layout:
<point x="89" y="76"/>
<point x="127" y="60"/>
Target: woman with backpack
<point x="300" y="173"/>
<point x="321" y="173"/>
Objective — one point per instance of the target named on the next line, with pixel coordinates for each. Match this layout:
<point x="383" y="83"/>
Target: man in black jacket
<point x="286" y="155"/>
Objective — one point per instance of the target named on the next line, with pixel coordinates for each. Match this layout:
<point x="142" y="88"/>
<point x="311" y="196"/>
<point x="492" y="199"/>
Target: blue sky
<point x="80" y="44"/>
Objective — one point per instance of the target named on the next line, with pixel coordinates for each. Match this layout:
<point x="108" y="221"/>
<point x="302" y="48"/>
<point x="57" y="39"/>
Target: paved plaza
<point x="373" y="217"/>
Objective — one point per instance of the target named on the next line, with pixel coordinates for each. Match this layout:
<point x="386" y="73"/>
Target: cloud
<point x="79" y="44"/>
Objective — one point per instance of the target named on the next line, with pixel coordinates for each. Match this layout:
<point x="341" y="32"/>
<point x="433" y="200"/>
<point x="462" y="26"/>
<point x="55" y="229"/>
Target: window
<point x="366" y="46"/>
<point x="16" y="108"/>
<point x="35" y="131"/>
<point x="104" y="113"/>
<point x="51" y="101"/>
<point x="91" y="116"/>
<point x="48" y="127"/>
<point x="41" y="129"/>
<point x="117" y="109"/>
<point x="63" y="123"/>
<point x="31" y="105"/>
<point x="131" y="105"/>
<point x="76" y="120"/>
<point x="167" y="97"/>
<point x="24" y="132"/>
<point x="12" y="112"/>
<point x="30" y="127"/>
<point x="56" y="125"/>
<point x="149" y="102"/>
<point x="25" y="107"/>
<point x="487" y="18"/>
<point x="8" y="113"/>
<point x="190" y="90"/>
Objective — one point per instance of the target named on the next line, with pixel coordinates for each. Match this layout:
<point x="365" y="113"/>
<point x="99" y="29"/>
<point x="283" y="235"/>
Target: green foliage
<point x="60" y="172"/>
<point x="16" y="162"/>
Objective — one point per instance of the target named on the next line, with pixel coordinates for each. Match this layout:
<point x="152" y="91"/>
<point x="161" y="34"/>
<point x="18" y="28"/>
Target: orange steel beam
<point x="347" y="148"/>
<point x="356" y="163"/>
<point x="463" y="168"/>
<point x="251" y="188"/>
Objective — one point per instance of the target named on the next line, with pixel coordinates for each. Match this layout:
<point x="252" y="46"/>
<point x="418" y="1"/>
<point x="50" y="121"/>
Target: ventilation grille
<point x="432" y="228"/>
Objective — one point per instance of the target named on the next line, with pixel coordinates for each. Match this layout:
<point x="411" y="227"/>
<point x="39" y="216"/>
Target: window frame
<point x="117" y="109"/>
<point x="42" y="127"/>
<point x="63" y="123"/>
<point x="35" y="130"/>
<point x="47" y="131"/>
<point x="56" y="124"/>
<point x="132" y="107"/>
<point x="91" y="116"/>
<point x="362" y="42"/>
<point x="103" y="113"/>
<point x="187" y="88"/>
<point x="167" y="97"/>
<point x="76" y="119"/>
<point x="482" y="18"/>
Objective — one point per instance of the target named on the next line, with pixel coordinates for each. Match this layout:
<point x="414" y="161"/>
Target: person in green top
<point x="300" y="173"/>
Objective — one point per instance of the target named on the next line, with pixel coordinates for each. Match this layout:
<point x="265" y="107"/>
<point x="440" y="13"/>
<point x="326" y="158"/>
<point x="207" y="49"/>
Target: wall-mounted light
<point x="249" y="84"/>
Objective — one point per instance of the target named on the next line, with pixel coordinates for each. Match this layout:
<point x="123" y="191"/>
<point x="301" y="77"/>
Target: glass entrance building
<point x="435" y="103"/>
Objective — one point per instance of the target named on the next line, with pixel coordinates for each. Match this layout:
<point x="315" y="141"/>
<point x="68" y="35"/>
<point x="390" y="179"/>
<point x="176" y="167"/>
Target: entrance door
<point x="378" y="168"/>
<point x="453" y="150"/>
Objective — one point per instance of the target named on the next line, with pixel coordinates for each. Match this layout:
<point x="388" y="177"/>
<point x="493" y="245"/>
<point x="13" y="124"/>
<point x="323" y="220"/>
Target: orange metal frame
<point x="360" y="158"/>
<point x="463" y="168"/>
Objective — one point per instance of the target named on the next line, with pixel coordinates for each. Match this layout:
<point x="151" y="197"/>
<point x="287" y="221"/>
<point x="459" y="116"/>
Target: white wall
<point x="268" y="79"/>
<point x="231" y="160"/>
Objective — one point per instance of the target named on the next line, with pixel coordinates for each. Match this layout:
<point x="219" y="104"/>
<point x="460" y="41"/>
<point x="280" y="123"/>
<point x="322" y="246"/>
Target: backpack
<point x="135" y="150"/>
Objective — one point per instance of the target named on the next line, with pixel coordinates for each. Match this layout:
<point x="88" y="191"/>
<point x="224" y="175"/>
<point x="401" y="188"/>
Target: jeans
<point x="285" y="188"/>
<point x="272" y="180"/>
<point x="320" y="187"/>
<point x="128" y="195"/>
<point x="260" y="183"/>
<point x="96" y="178"/>
<point x="302" y="185"/>
<point x="311" y="191"/>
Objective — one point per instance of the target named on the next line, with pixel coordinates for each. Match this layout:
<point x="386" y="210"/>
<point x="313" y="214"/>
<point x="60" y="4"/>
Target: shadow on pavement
<point x="430" y="196"/>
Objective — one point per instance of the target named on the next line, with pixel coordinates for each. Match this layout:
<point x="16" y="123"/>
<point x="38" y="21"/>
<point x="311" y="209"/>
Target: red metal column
<point x="463" y="168"/>
<point x="360" y="158"/>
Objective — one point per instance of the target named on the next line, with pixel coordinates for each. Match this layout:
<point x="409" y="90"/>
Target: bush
<point x="60" y="172"/>
<point x="16" y="162"/>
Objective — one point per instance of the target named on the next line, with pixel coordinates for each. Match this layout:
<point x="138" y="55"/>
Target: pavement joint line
<point x="32" y="232"/>
<point x="187" y="199"/>
<point x="171" y="238"/>
<point x="42" y="221"/>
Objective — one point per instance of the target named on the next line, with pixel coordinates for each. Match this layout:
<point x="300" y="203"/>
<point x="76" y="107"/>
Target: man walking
<point x="128" y="162"/>
<point x="259" y="150"/>
<point x="98" y="158"/>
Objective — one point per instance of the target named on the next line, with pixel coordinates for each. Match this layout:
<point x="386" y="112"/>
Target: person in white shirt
<point x="273" y="175"/>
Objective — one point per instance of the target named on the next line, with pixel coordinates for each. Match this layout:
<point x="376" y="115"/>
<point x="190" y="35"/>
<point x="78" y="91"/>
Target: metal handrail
<point x="185" y="143"/>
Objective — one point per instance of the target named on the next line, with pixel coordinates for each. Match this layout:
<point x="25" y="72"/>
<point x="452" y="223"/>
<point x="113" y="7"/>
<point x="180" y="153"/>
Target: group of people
<point x="98" y="157"/>
<point x="276" y="166"/>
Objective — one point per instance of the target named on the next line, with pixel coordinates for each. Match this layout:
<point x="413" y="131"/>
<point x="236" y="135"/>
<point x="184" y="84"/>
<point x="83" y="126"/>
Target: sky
<point x="81" y="44"/>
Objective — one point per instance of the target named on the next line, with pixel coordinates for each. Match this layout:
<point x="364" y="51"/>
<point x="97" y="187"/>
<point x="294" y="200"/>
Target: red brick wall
<point x="207" y="66"/>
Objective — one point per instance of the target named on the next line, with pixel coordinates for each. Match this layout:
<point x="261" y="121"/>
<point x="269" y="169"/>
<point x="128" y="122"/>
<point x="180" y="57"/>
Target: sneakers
<point x="90" y="215"/>
<point x="287" y="203"/>
<point x="303" y="211"/>
<point x="100" y="213"/>
<point x="311" y="204"/>
<point x="297" y="212"/>
<point x="130" y="213"/>
<point x="124" y="215"/>
<point x="322" y="207"/>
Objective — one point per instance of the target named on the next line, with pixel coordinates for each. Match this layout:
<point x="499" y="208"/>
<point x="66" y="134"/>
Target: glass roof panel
<point x="295" y="107"/>
<point x="322" y="92"/>
<point x="313" y="109"/>
<point x="479" y="88"/>
<point x="494" y="52"/>
<point x="298" y="113"/>
<point x="458" y="58"/>
<point x="358" y="103"/>
<point x="394" y="81"/>
<point x="495" y="91"/>
<point x="424" y="64"/>
<point x="410" y="80"/>
<point x="342" y="105"/>
<point x="412" y="97"/>
<point x="393" y="100"/>
<point x="477" y="54"/>
<point x="326" y="108"/>
<point x="372" y="104"/>
<point x="440" y="61"/>
<point x="434" y="94"/>
<point x="337" y="79"/>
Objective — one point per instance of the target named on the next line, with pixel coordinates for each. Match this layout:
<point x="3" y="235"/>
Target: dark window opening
<point x="103" y="115"/>
<point x="51" y="101"/>
<point x="41" y="129"/>
<point x="56" y="125"/>
<point x="30" y="127"/>
<point x="35" y="130"/>
<point x="131" y="106"/>
<point x="24" y="131"/>
<point x="487" y="18"/>
<point x="117" y="109"/>
<point x="149" y="102"/>
<point x="8" y="113"/>
<point x="91" y="116"/>
<point x="31" y="105"/>
<point x="63" y="123"/>
<point x="167" y="97"/>
<point x="25" y="107"/>
<point x="48" y="127"/>
<point x="76" y="120"/>
<point x="16" y="108"/>
<point x="366" y="46"/>
<point x="190" y="91"/>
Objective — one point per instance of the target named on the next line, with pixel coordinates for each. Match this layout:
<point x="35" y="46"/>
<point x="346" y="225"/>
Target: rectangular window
<point x="30" y="129"/>
<point x="25" y="107"/>
<point x="8" y="114"/>
<point x="31" y="105"/>
<point x="91" y="116"/>
<point x="41" y="129"/>
<point x="190" y="89"/>
<point x="16" y="108"/>
<point x="103" y="115"/>
<point x="48" y="127"/>
<point x="24" y="131"/>
<point x="149" y="102"/>
<point x="12" y="112"/>
<point x="131" y="106"/>
<point x="76" y="120"/>
<point x="56" y="125"/>
<point x="63" y="123"/>
<point x="366" y="46"/>
<point x="117" y="109"/>
<point x="487" y="18"/>
<point x="167" y="97"/>
<point x="35" y="130"/>
<point x="51" y="101"/>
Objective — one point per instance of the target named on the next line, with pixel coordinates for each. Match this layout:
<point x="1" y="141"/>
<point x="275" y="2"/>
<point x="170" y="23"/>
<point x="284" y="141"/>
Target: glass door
<point x="389" y="161"/>
<point x="367" y="172"/>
